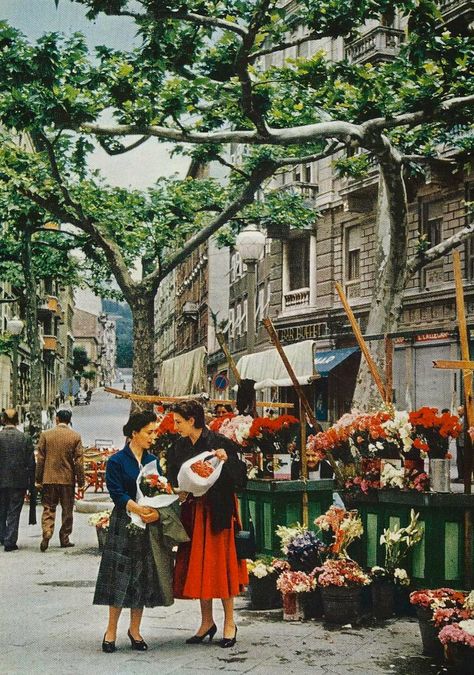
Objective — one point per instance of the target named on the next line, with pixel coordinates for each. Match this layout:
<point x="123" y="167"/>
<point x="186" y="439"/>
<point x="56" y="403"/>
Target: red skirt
<point x="207" y="567"/>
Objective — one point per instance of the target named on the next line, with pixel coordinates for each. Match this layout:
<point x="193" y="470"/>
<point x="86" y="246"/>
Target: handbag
<point x="245" y="543"/>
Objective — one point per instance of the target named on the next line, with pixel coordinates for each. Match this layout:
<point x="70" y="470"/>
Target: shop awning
<point x="327" y="361"/>
<point x="267" y="368"/>
<point x="184" y="374"/>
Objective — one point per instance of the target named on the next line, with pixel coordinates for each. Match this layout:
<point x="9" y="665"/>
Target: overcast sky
<point x="139" y="168"/>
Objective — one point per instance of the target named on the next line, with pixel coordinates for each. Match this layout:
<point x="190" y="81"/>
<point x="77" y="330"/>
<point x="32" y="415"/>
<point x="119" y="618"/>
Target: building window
<point x="238" y="320"/>
<point x="298" y="263"/>
<point x="245" y="323"/>
<point x="353" y="244"/>
<point x="432" y="222"/>
<point x="231" y="323"/>
<point x="307" y="173"/>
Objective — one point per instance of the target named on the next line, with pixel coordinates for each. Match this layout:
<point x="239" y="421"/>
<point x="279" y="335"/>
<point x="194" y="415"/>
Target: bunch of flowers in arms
<point x="100" y="520"/>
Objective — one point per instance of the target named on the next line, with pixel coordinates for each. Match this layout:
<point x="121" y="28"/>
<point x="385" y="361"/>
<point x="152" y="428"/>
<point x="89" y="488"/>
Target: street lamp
<point x="250" y="244"/>
<point x="15" y="328"/>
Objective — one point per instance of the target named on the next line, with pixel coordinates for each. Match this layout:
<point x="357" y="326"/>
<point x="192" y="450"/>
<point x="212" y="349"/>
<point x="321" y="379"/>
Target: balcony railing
<point x="459" y="12"/>
<point x="307" y="190"/>
<point x="379" y="44"/>
<point x="297" y="298"/>
<point x="50" y="304"/>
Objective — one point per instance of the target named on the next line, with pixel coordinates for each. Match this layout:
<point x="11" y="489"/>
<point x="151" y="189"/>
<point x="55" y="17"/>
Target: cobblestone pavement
<point x="49" y="625"/>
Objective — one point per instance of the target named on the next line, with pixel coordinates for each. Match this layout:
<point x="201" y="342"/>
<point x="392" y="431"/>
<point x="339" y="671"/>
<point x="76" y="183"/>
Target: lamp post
<point x="15" y="328"/>
<point x="250" y="244"/>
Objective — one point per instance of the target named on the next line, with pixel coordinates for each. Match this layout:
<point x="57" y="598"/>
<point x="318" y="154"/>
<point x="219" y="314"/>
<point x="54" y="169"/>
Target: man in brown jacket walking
<point x="59" y="465"/>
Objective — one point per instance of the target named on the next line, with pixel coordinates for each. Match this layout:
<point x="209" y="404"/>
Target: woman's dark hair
<point x="246" y="398"/>
<point x="188" y="409"/>
<point x="219" y="405"/>
<point x="137" y="421"/>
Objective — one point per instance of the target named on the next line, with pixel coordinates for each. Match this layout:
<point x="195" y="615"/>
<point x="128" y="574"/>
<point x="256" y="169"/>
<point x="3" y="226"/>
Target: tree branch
<point x="201" y="20"/>
<point x="293" y="136"/>
<point x="415" y="118"/>
<point x="263" y="171"/>
<point x="292" y="161"/>
<point x="296" y="42"/>
<point x="419" y="261"/>
<point x="123" y="150"/>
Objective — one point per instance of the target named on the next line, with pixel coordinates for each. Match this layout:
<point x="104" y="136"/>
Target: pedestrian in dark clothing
<point x="17" y="471"/>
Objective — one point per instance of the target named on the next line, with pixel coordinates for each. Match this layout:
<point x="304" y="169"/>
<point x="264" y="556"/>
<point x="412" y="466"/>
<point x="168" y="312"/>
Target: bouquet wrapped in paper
<point x="153" y="490"/>
<point x="199" y="473"/>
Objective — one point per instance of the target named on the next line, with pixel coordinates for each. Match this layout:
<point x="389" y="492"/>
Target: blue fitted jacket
<point x="121" y="475"/>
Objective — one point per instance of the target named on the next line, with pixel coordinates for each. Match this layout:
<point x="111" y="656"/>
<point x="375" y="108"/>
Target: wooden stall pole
<point x="469" y="416"/>
<point x="361" y="342"/>
<point x="306" y="408"/>
<point x="388" y="369"/>
<point x="228" y="355"/>
<point x="175" y="399"/>
<point x="304" y="466"/>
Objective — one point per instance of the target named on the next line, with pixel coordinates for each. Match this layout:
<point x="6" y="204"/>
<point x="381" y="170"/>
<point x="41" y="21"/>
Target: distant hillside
<point x="123" y="317"/>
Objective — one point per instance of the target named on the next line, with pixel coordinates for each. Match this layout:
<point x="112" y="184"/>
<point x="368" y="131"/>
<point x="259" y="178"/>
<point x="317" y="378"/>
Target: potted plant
<point x="101" y="523"/>
<point x="263" y="575"/>
<point x="293" y="585"/>
<point x="458" y="641"/>
<point x="397" y="542"/>
<point x="435" y="609"/>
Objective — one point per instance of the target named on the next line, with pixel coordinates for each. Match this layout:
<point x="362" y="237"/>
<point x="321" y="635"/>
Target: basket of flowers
<point x="435" y="609"/>
<point x="263" y="575"/>
<point x="292" y="586"/>
<point x="101" y="522"/>
<point x="458" y="642"/>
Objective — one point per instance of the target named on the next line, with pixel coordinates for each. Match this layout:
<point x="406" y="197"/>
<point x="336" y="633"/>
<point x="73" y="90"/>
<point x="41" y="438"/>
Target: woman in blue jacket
<point x="127" y="574"/>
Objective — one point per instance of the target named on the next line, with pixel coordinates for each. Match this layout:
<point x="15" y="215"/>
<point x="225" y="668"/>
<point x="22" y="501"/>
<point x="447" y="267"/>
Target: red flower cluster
<point x="429" y="418"/>
<point x="166" y="426"/>
<point x="203" y="469"/>
<point x="438" y="597"/>
<point x="265" y="426"/>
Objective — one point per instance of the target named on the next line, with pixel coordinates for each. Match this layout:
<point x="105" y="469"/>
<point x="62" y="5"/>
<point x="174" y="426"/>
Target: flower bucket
<point x="313" y="604"/>
<point x="383" y="599"/>
<point x="101" y="537"/>
<point x="263" y="592"/>
<point x="292" y="607"/>
<point x="429" y="633"/>
<point x="341" y="604"/>
<point x="460" y="658"/>
<point x="440" y="475"/>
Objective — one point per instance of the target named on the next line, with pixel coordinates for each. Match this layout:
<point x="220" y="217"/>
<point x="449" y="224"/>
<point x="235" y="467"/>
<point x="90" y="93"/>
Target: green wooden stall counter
<point x="279" y="502"/>
<point x="438" y="559"/>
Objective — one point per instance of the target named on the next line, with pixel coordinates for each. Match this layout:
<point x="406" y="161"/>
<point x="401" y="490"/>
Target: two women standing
<point x="207" y="566"/>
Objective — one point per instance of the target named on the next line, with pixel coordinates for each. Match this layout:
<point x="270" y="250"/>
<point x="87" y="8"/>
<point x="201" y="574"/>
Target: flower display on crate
<point x="237" y="428"/>
<point x="293" y="581"/>
<point x="274" y="435"/>
<point x="462" y="632"/>
<point x="306" y="551"/>
<point x="100" y="520"/>
<point x="215" y="424"/>
<point x="345" y="526"/>
<point x="433" y="430"/>
<point x="365" y="482"/>
<point x="341" y="572"/>
<point x="398" y="542"/>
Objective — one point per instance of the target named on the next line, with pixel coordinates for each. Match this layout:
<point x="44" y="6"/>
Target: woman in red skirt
<point x="207" y="567"/>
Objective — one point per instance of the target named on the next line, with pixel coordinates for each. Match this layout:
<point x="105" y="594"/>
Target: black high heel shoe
<point x="198" y="639"/>
<point x="225" y="643"/>
<point x="108" y="647"/>
<point x="139" y="645"/>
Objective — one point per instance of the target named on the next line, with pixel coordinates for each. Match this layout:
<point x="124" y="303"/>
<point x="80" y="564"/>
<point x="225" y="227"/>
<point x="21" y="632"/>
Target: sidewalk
<point x="49" y="625"/>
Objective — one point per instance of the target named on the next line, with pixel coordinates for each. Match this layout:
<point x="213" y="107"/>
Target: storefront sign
<point x="429" y="337"/>
<point x="310" y="331"/>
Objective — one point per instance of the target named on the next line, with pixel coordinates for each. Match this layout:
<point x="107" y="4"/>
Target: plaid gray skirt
<point x="127" y="574"/>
